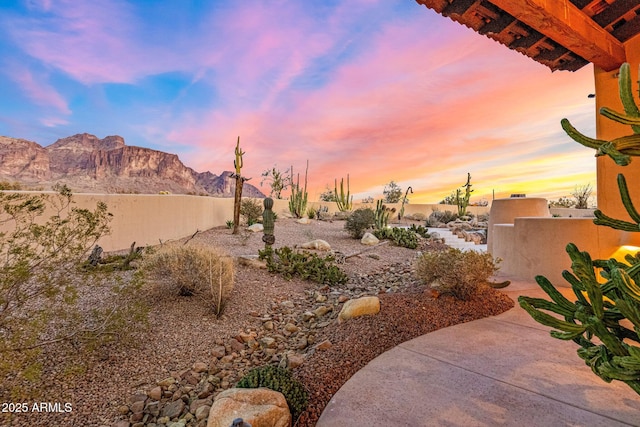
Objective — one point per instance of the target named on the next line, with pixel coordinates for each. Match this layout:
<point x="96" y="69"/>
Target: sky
<point x="380" y="90"/>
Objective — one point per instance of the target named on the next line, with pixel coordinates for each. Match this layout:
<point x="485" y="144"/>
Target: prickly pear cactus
<point x="604" y="305"/>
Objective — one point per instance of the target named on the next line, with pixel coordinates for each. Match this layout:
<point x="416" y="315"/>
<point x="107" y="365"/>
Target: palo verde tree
<point x="42" y="287"/>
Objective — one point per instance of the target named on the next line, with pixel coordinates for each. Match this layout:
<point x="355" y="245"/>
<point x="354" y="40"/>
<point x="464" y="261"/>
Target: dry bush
<point x="419" y="216"/>
<point x="201" y="271"/>
<point x="455" y="272"/>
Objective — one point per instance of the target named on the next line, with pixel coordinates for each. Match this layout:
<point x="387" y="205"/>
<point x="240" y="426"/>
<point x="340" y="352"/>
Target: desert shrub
<point x="201" y="271"/>
<point x="399" y="236"/>
<point x="359" y="221"/>
<point x="229" y="224"/>
<point x="7" y="185"/>
<point x="454" y="272"/>
<point x="280" y="380"/>
<point x="288" y="263"/>
<point x="311" y="212"/>
<point x="251" y="210"/>
<point x="48" y="304"/>
<point x="419" y="216"/>
<point x="444" y="217"/>
<point x="420" y="230"/>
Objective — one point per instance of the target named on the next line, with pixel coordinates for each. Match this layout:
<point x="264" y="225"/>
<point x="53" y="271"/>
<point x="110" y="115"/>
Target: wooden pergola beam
<point x="568" y="26"/>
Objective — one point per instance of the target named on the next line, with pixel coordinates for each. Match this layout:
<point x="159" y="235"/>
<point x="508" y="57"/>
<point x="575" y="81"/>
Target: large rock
<point x="318" y="244"/>
<point x="359" y="307"/>
<point x="255" y="227"/>
<point x="369" y="239"/>
<point x="260" y="407"/>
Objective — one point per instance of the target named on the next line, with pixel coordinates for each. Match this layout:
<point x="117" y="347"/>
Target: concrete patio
<point x="505" y="370"/>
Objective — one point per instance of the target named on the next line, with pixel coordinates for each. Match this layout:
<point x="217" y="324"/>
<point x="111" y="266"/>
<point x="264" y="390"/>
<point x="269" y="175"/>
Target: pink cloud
<point x="39" y="90"/>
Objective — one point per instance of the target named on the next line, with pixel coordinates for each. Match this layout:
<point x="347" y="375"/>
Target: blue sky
<point x="378" y="89"/>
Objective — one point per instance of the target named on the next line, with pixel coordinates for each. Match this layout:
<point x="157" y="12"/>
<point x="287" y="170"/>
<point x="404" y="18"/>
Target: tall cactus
<point x="602" y="310"/>
<point x="238" y="163"/>
<point x="299" y="196"/>
<point x="268" y="222"/>
<point x="344" y="201"/>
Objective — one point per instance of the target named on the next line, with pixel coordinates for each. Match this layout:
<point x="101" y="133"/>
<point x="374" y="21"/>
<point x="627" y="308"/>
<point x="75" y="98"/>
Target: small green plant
<point x="403" y="237"/>
<point x="440" y="217"/>
<point x="201" y="271"/>
<point x="6" y="185"/>
<point x="420" y="230"/>
<point x="278" y="181"/>
<point x="229" y="224"/>
<point x="359" y="221"/>
<point x="251" y="210"/>
<point x="312" y="212"/>
<point x="381" y="215"/>
<point x="392" y="192"/>
<point x="280" y="380"/>
<point x="288" y="263"/>
<point x="344" y="201"/>
<point x="454" y="272"/>
<point x="298" y="199"/>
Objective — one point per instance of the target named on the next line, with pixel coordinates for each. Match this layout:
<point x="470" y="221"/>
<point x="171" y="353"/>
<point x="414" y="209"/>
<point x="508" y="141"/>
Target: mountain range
<point x="86" y="163"/>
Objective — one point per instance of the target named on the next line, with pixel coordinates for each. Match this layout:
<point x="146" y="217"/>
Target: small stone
<point x="343" y="298"/>
<point x="155" y="393"/>
<point x="152" y="408"/>
<point x="200" y="367"/>
<point x="268" y="325"/>
<point x="122" y="423"/>
<point x="290" y="327"/>
<point x="322" y="310"/>
<point x="321" y="298"/>
<point x="255" y="228"/>
<point x="163" y="420"/>
<point x="294" y="360"/>
<point x="202" y="412"/>
<point x="123" y="410"/>
<point x="236" y="345"/>
<point x="268" y="342"/>
<point x="166" y="382"/>
<point x="173" y="409"/>
<point x="369" y="239"/>
<point x="287" y="304"/>
<point x="246" y="337"/>
<point x="137" y="407"/>
<point x="324" y="345"/>
<point x="318" y="244"/>
<point x="304" y="221"/>
<point x="307" y="315"/>
<point x="137" y="397"/>
<point x="218" y="351"/>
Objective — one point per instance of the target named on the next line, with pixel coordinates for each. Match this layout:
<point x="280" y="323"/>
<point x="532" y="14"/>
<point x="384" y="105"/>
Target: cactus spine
<point x="608" y="307"/>
<point x="344" y="201"/>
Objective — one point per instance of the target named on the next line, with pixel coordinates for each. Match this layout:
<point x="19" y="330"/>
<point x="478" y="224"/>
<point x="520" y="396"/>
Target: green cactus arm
<point x="567" y="307"/>
<point x="602" y="219"/>
<point x="626" y="198"/>
<point x="624" y="282"/>
<point x="609" y="149"/>
<point x="571" y="330"/>
<point x="619" y="117"/>
<point x="626" y="92"/>
<point x="629" y="144"/>
<point x="579" y="137"/>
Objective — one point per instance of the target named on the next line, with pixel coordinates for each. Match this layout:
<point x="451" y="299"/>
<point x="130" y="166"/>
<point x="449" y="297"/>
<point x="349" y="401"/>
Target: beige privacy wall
<point x="148" y="219"/>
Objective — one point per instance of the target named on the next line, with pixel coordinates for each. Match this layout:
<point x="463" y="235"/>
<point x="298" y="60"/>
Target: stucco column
<point x="606" y="85"/>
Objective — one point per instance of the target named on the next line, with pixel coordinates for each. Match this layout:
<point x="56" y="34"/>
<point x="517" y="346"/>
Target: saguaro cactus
<point x="602" y="310"/>
<point x="238" y="163"/>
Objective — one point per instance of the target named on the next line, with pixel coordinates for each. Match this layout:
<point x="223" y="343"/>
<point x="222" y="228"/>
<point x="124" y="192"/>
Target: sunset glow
<point x="378" y="89"/>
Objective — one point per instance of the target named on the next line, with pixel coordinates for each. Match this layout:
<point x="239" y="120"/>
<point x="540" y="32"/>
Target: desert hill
<point x="89" y="164"/>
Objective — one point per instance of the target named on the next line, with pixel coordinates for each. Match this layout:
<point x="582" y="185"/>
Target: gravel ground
<point x="182" y="331"/>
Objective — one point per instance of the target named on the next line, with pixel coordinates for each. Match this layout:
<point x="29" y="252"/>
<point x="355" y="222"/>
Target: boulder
<point x="359" y="307"/>
<point x="369" y="239"/>
<point x="318" y="244"/>
<point x="260" y="407"/>
<point x="255" y="228"/>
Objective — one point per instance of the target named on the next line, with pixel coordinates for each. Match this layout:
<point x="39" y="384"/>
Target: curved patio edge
<point x="501" y="370"/>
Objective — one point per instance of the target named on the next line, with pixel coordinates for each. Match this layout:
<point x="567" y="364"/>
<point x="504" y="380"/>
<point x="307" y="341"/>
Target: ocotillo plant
<point x="602" y="310"/>
<point x="238" y="163"/>
<point x="298" y="199"/>
<point x="344" y="201"/>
